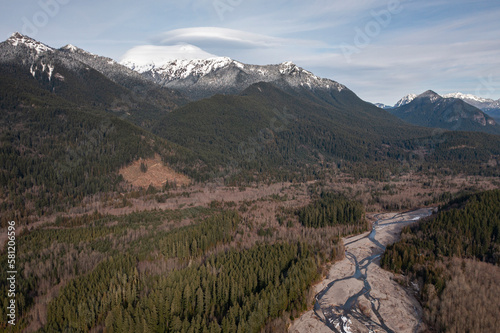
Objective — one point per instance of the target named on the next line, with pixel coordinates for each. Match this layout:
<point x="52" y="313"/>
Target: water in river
<point x="339" y="317"/>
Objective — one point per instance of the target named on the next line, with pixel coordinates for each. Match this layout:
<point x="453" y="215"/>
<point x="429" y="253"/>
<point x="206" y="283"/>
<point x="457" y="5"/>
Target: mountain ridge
<point x="82" y="78"/>
<point x="487" y="105"/>
<point x="201" y="78"/>
<point x="432" y="110"/>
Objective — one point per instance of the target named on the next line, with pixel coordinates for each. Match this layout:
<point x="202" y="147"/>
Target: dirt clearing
<point x="146" y="172"/>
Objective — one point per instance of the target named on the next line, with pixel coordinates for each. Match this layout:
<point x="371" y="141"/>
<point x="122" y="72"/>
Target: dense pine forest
<point x="331" y="209"/>
<point x="450" y="254"/>
<point x="54" y="152"/>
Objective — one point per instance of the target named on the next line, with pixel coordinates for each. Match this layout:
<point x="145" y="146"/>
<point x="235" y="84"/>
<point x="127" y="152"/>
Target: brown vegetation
<point x="146" y="172"/>
<point x="409" y="191"/>
<point x="470" y="301"/>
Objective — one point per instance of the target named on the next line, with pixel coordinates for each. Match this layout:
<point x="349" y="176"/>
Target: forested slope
<point x="53" y="153"/>
<point x="268" y="133"/>
<point x="441" y="253"/>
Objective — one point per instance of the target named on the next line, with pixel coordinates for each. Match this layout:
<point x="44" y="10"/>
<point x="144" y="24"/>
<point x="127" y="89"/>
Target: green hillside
<point x="268" y="131"/>
<point x="53" y="153"/>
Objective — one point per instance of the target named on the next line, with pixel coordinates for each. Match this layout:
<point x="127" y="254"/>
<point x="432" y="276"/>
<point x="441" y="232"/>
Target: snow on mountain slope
<point x="17" y="39"/>
<point x="405" y="100"/>
<point x="201" y="78"/>
<point x="183" y="68"/>
<point x="469" y="97"/>
<point x="431" y="110"/>
<point x="383" y="106"/>
<point x="147" y="57"/>
<point x="485" y="104"/>
<point x="37" y="57"/>
<point x="104" y="65"/>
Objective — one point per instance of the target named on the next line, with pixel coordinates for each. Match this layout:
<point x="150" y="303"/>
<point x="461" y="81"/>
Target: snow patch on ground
<point x="51" y="70"/>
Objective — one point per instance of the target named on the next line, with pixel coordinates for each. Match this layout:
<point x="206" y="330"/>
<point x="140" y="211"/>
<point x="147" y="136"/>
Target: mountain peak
<point x="287" y="67"/>
<point x="17" y="39"/>
<point x="405" y="100"/>
<point x="70" y="47"/>
<point x="18" y="35"/>
<point x="429" y="94"/>
<point x="431" y="110"/>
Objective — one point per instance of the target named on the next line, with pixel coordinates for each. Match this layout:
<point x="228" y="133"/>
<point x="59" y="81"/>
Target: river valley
<point x="359" y="296"/>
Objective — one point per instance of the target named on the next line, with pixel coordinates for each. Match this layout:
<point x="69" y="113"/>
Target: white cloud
<point x="228" y="38"/>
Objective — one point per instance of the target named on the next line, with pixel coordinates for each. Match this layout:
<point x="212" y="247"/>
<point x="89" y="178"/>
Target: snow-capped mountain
<point x="201" y="78"/>
<point x="107" y="66"/>
<point x="431" y="110"/>
<point x="84" y="78"/>
<point x="487" y="105"/>
<point x="42" y="61"/>
<point x="468" y="97"/>
<point x="405" y="100"/>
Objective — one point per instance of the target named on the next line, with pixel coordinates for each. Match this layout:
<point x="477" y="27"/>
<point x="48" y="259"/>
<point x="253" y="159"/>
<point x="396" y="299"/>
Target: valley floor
<point x="359" y="296"/>
<point x="356" y="295"/>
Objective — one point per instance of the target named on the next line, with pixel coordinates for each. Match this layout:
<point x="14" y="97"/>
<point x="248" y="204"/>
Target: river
<point x="357" y="295"/>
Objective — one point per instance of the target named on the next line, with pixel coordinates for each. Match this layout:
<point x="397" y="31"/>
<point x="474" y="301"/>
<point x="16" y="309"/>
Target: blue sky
<point x="380" y="49"/>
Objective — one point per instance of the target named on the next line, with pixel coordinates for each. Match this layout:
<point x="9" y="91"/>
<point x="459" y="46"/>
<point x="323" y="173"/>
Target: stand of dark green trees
<point x="468" y="227"/>
<point x="331" y="209"/>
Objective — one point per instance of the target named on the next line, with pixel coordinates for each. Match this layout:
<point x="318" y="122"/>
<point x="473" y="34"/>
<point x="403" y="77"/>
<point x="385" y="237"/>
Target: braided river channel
<point x="357" y="295"/>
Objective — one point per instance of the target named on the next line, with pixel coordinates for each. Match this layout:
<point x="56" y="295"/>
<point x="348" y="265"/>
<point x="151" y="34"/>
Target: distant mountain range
<point x="431" y="110"/>
<point x="199" y="79"/>
<point x="487" y="105"/>
<point x="211" y="118"/>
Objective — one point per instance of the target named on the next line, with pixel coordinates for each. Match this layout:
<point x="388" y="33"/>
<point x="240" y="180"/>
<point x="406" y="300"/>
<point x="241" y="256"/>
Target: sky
<point x="380" y="49"/>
